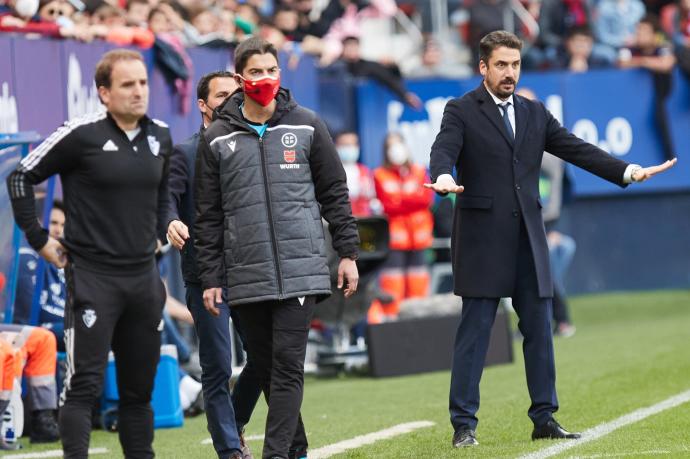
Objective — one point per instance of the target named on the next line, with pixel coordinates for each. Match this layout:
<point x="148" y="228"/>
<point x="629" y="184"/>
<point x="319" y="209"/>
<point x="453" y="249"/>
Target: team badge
<point x="154" y="145"/>
<point x="289" y="140"/>
<point x="89" y="317"/>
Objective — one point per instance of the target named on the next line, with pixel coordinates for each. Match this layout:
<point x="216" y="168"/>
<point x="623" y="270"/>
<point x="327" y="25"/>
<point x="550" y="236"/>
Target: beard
<point x="500" y="90"/>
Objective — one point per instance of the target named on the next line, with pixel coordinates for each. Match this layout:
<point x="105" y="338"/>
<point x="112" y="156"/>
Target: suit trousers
<point x="472" y="342"/>
<point x="215" y="357"/>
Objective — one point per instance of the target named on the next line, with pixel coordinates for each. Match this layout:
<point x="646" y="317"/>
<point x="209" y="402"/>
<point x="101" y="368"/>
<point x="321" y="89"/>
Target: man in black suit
<point x="215" y="352"/>
<point x="495" y="140"/>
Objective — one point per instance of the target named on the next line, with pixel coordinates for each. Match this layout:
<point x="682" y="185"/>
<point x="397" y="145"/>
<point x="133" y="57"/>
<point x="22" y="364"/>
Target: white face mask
<point x="26" y="8"/>
<point x="348" y="154"/>
<point x="398" y="154"/>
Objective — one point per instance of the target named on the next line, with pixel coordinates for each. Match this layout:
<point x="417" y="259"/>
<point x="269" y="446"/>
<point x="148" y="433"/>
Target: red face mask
<point x="263" y="90"/>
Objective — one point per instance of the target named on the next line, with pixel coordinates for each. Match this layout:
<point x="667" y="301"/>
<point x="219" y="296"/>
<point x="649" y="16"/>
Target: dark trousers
<point x="226" y="413"/>
<point x="472" y="342"/>
<point x="560" y="307"/>
<point x="122" y="313"/>
<point x="215" y="357"/>
<point x="276" y="333"/>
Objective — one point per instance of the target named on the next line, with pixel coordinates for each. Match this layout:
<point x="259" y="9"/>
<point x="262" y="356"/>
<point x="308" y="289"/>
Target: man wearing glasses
<point x="267" y="171"/>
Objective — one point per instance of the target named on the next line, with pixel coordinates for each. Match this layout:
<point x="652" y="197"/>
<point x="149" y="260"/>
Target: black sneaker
<point x="44" y="427"/>
<point x="464" y="438"/>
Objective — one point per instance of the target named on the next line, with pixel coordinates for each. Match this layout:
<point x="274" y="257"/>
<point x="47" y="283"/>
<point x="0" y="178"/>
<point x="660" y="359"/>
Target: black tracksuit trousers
<point x="276" y="333"/>
<point x="105" y="311"/>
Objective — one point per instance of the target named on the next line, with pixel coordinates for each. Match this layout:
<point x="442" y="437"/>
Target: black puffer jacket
<point x="259" y="202"/>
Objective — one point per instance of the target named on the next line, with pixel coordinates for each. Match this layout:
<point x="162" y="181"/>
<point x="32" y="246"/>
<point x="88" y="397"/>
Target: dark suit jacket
<point x="181" y="202"/>
<point x="501" y="180"/>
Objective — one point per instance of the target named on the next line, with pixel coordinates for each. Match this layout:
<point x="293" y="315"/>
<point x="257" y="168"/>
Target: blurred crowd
<point x="559" y="34"/>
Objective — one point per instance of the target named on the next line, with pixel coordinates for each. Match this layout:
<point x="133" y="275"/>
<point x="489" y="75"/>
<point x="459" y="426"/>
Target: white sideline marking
<point x="209" y="441"/>
<point x="52" y="453"/>
<point x="361" y="440"/>
<point x="606" y="428"/>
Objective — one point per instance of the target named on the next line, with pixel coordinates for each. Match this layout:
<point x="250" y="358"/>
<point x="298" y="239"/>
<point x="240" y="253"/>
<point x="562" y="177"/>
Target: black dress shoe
<point x="463" y="438"/>
<point x="553" y="430"/>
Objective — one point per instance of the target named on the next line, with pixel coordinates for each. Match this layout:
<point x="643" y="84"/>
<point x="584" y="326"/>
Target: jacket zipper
<point x="274" y="243"/>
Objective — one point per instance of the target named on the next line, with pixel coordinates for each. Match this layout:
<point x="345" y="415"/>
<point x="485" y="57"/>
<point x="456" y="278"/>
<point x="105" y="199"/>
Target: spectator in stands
<point x="387" y="75"/>
<point x="109" y="23"/>
<point x="615" y="21"/>
<point x="649" y="51"/>
<point x="360" y="183"/>
<point x="53" y="20"/>
<point x="348" y="24"/>
<point x="680" y="31"/>
<point x="53" y="295"/>
<point x="576" y="54"/>
<point x="35" y="358"/>
<point x="172" y="34"/>
<point x="557" y="18"/>
<point x="249" y="16"/>
<point x="400" y="188"/>
<point x="487" y="16"/>
<point x="433" y="64"/>
<point x="209" y="28"/>
<point x="320" y="27"/>
<point x="138" y="13"/>
<point x="286" y="20"/>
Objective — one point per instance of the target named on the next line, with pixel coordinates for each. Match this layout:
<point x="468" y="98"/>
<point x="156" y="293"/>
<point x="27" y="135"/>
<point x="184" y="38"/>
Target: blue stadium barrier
<point x="22" y="141"/>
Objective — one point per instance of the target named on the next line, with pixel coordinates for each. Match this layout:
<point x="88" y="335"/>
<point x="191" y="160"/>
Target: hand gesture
<point x="54" y="252"/>
<point x="178" y="233"/>
<point x="347" y="272"/>
<point x="212" y="297"/>
<point x="445" y="184"/>
<point x="645" y="173"/>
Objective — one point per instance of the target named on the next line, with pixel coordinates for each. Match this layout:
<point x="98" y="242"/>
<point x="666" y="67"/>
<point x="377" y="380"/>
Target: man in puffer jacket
<point x="267" y="171"/>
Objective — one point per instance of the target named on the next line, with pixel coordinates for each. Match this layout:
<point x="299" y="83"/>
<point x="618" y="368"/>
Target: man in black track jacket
<point x="113" y="166"/>
<point x="266" y="172"/>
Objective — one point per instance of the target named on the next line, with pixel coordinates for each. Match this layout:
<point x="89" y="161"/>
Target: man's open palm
<point x="646" y="173"/>
<point x="445" y="184"/>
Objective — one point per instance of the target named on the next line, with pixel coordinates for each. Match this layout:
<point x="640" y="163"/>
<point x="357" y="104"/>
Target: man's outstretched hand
<point x="645" y="173"/>
<point x="445" y="184"/>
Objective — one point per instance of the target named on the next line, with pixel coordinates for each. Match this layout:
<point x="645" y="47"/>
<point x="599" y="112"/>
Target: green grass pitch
<point x="631" y="350"/>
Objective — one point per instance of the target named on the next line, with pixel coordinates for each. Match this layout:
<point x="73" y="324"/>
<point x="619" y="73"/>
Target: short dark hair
<point x="104" y="68"/>
<point x="350" y="38"/>
<point x="652" y="20"/>
<point x="496" y="39"/>
<point x="249" y="47"/>
<point x="579" y="30"/>
<point x="57" y="204"/>
<point x="202" y="87"/>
